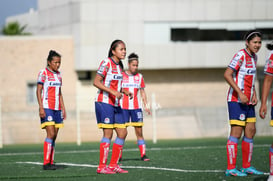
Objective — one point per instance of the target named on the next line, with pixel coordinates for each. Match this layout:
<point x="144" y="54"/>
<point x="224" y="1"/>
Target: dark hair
<point x="132" y="57"/>
<point x="269" y="46"/>
<point x="113" y="46"/>
<point x="52" y="53"/>
<point x="252" y="34"/>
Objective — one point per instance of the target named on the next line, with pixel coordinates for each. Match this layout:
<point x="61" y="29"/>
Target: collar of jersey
<point x="113" y="61"/>
<point x="248" y="53"/>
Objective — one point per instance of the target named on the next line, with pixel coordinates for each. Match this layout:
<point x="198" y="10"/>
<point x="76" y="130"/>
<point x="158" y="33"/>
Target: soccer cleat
<point x="235" y="172"/>
<point x="105" y="170"/>
<point x="270" y="178"/>
<point x="117" y="169"/>
<point x="251" y="170"/>
<point x="49" y="167"/>
<point x="145" y="158"/>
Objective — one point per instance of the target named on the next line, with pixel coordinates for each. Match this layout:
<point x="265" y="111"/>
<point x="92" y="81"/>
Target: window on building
<point x="84" y="75"/>
<point x="31" y="93"/>
<point x="195" y="34"/>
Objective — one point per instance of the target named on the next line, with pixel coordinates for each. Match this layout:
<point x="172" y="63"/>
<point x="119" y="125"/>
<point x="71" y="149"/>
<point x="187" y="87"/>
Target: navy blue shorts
<point x="109" y="116"/>
<point x="240" y="113"/>
<point x="52" y="118"/>
<point x="133" y="117"/>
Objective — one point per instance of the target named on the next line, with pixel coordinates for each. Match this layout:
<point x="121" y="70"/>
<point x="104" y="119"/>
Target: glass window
<point x="31" y="93"/>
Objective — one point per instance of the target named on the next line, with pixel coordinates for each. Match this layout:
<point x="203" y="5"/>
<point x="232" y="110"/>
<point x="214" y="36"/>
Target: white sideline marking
<point x="135" y="167"/>
<point x="131" y="149"/>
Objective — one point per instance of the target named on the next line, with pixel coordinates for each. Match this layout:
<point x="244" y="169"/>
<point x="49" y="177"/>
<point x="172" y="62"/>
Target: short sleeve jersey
<point x="268" y="68"/>
<point x="52" y="82"/>
<point x="112" y="78"/>
<point x="244" y="66"/>
<point x="132" y="83"/>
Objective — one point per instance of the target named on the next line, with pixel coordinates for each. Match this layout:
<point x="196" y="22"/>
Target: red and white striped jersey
<point x="132" y="83"/>
<point x="268" y="68"/>
<point x="244" y="66"/>
<point x="52" y="82"/>
<point x="112" y="78"/>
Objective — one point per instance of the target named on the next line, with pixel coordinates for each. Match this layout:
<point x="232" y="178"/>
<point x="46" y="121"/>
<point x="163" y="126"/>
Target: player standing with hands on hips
<point x="107" y="106"/>
<point x="51" y="105"/>
<point x="133" y="82"/>
<point x="242" y="98"/>
<point x="268" y="78"/>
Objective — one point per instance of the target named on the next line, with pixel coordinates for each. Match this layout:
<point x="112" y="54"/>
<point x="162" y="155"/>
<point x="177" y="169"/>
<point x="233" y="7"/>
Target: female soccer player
<point x="268" y="70"/>
<point x="240" y="75"/>
<point x="108" y="111"/>
<point x="133" y="82"/>
<point x="51" y="105"/>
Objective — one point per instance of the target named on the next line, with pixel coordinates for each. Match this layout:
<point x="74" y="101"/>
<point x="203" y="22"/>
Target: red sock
<point x="231" y="154"/>
<point x="116" y="151"/>
<point x="104" y="150"/>
<point x="247" y="149"/>
<point x="120" y="155"/>
<point x="52" y="155"/>
<point x="142" y="149"/>
<point x="271" y="160"/>
<point x="47" y="150"/>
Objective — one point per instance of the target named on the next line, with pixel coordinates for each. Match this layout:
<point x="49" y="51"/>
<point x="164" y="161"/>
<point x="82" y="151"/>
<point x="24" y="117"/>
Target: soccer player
<point x="51" y="105"/>
<point x="107" y="106"/>
<point x="242" y="98"/>
<point x="132" y="109"/>
<point x="268" y="78"/>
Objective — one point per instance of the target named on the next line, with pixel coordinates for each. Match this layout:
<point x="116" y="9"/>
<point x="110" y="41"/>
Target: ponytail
<point x="269" y="46"/>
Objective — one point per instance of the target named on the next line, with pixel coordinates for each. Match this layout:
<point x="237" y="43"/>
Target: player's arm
<point x="265" y="92"/>
<point x="228" y="77"/>
<point x="39" y="99"/>
<point x="62" y="104"/>
<point x="98" y="83"/>
<point x="144" y="100"/>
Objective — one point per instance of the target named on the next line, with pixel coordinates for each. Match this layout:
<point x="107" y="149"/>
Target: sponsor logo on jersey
<point x="117" y="77"/>
<point x="130" y="85"/>
<point x="55" y="84"/>
<point x="251" y="71"/>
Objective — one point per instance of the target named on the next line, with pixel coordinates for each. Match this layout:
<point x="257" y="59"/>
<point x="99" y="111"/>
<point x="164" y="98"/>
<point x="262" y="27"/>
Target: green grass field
<point x="194" y="159"/>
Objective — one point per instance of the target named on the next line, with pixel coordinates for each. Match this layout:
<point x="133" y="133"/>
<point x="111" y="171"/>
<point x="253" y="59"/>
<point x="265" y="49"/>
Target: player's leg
<point x="58" y="118"/>
<point x="104" y="115"/>
<point x="237" y="122"/>
<point x="270" y="178"/>
<point x="126" y="117"/>
<point x="141" y="143"/>
<point x="48" y="124"/>
<point x="121" y="130"/>
<point x="247" y="143"/>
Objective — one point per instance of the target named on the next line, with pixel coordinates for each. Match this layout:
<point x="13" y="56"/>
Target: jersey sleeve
<point x="236" y="62"/>
<point x="41" y="77"/>
<point x="103" y="68"/>
<point x="142" y="83"/>
<point x="268" y="68"/>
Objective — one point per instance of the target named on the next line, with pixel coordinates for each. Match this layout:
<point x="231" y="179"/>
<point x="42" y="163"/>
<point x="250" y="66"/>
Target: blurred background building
<point x="184" y="47"/>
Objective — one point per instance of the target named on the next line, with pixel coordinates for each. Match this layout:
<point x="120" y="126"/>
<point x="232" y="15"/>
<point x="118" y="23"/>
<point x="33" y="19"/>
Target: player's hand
<point x="42" y="113"/>
<point x="243" y="98"/>
<point x="117" y="94"/>
<point x="64" y="114"/>
<point x="130" y="95"/>
<point x="263" y="111"/>
<point x="148" y="110"/>
<point x="254" y="100"/>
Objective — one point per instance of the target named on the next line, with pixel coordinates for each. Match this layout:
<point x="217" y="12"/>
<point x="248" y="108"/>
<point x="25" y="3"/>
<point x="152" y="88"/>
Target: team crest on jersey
<point x="242" y="117"/>
<point x="107" y="120"/>
<point x="49" y="118"/>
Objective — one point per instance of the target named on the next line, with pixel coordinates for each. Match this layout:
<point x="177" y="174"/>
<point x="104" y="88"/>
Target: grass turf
<point x="193" y="159"/>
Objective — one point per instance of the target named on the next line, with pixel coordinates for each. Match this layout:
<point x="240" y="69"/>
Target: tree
<point x="14" y="28"/>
